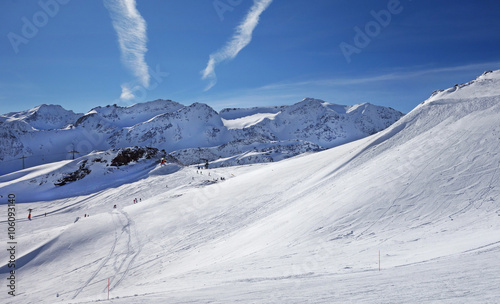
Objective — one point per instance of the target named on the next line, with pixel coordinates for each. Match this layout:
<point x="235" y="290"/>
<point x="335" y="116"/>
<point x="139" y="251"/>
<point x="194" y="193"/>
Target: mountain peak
<point x="309" y="99"/>
<point x="44" y="117"/>
<point x="48" y="107"/>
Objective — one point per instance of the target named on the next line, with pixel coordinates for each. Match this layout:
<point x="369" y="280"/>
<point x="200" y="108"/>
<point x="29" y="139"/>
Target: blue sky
<point x="240" y="53"/>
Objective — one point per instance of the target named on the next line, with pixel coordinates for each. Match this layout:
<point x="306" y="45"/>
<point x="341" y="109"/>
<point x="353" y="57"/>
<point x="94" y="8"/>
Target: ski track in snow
<point x="121" y="257"/>
<point x="132" y="251"/>
<point x="100" y="267"/>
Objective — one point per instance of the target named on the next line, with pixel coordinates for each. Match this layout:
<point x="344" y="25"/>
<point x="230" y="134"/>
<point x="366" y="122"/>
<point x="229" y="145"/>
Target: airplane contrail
<point x="131" y="28"/>
<point x="240" y="39"/>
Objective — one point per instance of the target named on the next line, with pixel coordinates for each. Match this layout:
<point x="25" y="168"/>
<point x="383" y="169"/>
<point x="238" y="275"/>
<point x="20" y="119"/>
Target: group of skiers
<point x="135" y="201"/>
<point x="209" y="174"/>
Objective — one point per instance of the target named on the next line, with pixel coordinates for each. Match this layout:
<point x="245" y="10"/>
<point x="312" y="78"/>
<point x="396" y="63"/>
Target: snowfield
<point x="421" y="197"/>
<point x="247" y="121"/>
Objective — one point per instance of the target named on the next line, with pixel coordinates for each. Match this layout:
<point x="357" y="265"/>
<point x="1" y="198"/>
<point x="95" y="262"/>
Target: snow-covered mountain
<point x="408" y="215"/>
<point x="129" y="116"/>
<point x="48" y="133"/>
<point x="322" y="123"/>
<point x="43" y="117"/>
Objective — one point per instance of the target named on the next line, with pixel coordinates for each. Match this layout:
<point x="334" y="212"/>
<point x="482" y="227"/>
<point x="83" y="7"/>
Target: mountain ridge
<point x="48" y="133"/>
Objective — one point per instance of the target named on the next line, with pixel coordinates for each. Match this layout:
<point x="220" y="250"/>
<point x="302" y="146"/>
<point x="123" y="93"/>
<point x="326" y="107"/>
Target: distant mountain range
<point x="191" y="133"/>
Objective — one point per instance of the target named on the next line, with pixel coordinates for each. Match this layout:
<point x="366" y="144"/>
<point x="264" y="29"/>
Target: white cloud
<point x="132" y="38"/>
<point x="126" y="93"/>
<point x="240" y="39"/>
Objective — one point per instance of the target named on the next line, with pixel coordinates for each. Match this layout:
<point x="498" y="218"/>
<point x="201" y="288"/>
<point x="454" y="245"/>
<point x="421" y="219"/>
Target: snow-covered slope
<point x="48" y="133"/>
<point x="86" y="175"/>
<point x="421" y="197"/>
<point x="247" y="121"/>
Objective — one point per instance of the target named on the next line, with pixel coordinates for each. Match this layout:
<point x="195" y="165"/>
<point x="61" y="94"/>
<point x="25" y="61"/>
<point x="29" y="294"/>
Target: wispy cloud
<point x="413" y="73"/>
<point x="240" y="39"/>
<point x="132" y="38"/>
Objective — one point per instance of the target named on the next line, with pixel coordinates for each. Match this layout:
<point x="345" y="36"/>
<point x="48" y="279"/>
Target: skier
<point x="114" y="206"/>
<point x="29" y="214"/>
<point x="162" y="162"/>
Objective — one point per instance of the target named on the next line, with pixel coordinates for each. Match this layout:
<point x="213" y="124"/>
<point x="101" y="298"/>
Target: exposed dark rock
<point x="128" y="155"/>
<point x="74" y="176"/>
